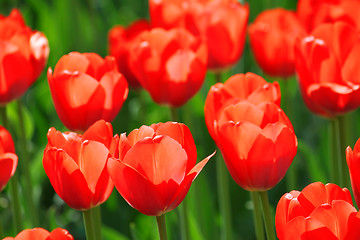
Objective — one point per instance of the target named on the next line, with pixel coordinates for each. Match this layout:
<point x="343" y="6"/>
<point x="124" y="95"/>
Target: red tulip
<point x="258" y="144"/>
<point x="353" y="161"/>
<point x="76" y="164"/>
<point x="23" y="55"/>
<point x="42" y="234"/>
<point x="120" y="41"/>
<point x="240" y="87"/>
<point x="86" y="88"/>
<point x="222" y="23"/>
<point x="272" y="39"/>
<point x="312" y="13"/>
<point x="327" y="66"/>
<point x="8" y="158"/>
<point x="156" y="167"/>
<point x="318" y="212"/>
<point x="170" y="65"/>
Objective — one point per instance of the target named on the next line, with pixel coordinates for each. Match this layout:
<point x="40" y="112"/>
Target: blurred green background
<point x="72" y="25"/>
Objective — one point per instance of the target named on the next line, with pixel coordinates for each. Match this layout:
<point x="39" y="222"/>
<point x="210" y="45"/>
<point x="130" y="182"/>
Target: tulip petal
<point x="92" y="160"/>
<point x="180" y="133"/>
<point x="35" y="233"/>
<point x="136" y="189"/>
<point x="66" y="178"/>
<point x="8" y="163"/>
<point x="100" y="131"/>
<point x="186" y="184"/>
<point x="150" y="158"/>
<point x="116" y="91"/>
<point x="235" y="153"/>
<point x="71" y="63"/>
<point x="59" y="234"/>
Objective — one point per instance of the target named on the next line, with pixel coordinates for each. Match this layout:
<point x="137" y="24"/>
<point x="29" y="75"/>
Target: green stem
<point x="174" y="114"/>
<point x="89" y="224"/>
<point x="218" y="77"/>
<point x="162" y="227"/>
<point x="15" y="203"/>
<point x="337" y="164"/>
<point x="13" y="184"/>
<point x="97" y="221"/>
<point x="259" y="227"/>
<point x="269" y="227"/>
<point x="184" y="227"/>
<point x="1" y="231"/>
<point x="25" y="167"/>
<point x="224" y="197"/>
<point x="343" y="144"/>
<point x="291" y="176"/>
<point x="133" y="231"/>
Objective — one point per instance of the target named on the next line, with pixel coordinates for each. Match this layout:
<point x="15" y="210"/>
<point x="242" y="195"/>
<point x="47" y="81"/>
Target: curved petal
<point x="72" y="63"/>
<point x="35" y="233"/>
<point x="100" y="131"/>
<point x="137" y="190"/>
<point x="181" y="133"/>
<point x="60" y="234"/>
<point x="92" y="161"/>
<point x="8" y="163"/>
<point x="162" y="161"/>
<point x="116" y="91"/>
<point x="235" y="153"/>
<point x="66" y="178"/>
<point x="186" y="183"/>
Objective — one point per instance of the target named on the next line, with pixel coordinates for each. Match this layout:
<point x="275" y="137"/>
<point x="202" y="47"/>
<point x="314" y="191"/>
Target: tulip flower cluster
<point x="170" y="56"/>
<point x="256" y="138"/>
<point x="317" y="212"/>
<point x="157" y="161"/>
<point x="19" y="46"/>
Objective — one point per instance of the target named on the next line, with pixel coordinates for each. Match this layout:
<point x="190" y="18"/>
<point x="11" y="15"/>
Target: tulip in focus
<point x="86" y="88"/>
<point x="42" y="234"/>
<point x="272" y="39"/>
<point x="240" y="87"/>
<point x="156" y="167"/>
<point x="76" y="164"/>
<point x="23" y="54"/>
<point x="257" y="142"/>
<point x="327" y="66"/>
<point x="170" y="65"/>
<point x="317" y="212"/>
<point x="120" y="41"/>
<point x="8" y="158"/>
<point x="222" y="23"/>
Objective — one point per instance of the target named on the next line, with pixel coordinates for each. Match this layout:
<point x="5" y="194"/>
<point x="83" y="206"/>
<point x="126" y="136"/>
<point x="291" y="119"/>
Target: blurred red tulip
<point x="312" y="13"/>
<point x="156" y="167"/>
<point x="76" y="164"/>
<point x="120" y="41"/>
<point x="170" y="65"/>
<point x="317" y="212"/>
<point x="272" y="40"/>
<point x="240" y="87"/>
<point x="20" y="48"/>
<point x="222" y="23"/>
<point x="86" y="88"/>
<point x="258" y="144"/>
<point x="8" y="158"/>
<point x="42" y="234"/>
<point x="353" y="161"/>
<point x="327" y="66"/>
